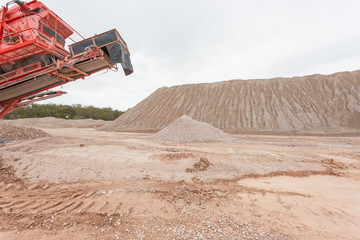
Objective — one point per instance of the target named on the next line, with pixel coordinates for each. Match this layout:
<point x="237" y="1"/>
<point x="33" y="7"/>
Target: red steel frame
<point x="13" y="21"/>
<point x="93" y="54"/>
<point x="28" y="100"/>
<point x="36" y="42"/>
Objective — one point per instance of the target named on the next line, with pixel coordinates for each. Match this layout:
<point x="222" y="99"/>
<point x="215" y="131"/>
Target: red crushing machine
<point x="34" y="59"/>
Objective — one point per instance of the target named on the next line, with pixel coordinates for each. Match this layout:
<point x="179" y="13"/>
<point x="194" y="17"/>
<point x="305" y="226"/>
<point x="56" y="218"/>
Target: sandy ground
<point x="88" y="184"/>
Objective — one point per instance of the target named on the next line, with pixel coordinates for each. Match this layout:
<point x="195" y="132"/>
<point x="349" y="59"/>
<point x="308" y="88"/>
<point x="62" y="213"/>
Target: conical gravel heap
<point x="187" y="130"/>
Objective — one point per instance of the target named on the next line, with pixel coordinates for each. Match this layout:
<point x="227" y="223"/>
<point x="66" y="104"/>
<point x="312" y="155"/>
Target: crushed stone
<point x="188" y="130"/>
<point x="9" y="132"/>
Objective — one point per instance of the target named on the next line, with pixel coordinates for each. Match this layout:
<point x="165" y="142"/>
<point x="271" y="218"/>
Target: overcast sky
<point x="175" y="42"/>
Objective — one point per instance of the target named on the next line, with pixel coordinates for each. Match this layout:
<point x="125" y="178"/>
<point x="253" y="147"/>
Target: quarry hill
<point x="278" y="104"/>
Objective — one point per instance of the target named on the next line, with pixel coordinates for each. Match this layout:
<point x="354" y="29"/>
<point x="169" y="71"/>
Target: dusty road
<point x="88" y="184"/>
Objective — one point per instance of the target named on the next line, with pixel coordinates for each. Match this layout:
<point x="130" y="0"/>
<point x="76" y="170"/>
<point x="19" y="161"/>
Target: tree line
<point x="76" y="111"/>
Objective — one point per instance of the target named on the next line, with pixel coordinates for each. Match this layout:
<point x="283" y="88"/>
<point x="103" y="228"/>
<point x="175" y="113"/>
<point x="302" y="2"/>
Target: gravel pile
<point x="187" y="130"/>
<point x="304" y="104"/>
<point x="10" y="132"/>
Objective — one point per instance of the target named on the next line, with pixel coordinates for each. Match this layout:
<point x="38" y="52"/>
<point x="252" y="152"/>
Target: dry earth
<point x="51" y="122"/>
<point x="87" y="184"/>
<point x="316" y="103"/>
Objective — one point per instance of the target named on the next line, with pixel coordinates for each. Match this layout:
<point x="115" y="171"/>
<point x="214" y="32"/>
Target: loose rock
<point x="9" y="132"/>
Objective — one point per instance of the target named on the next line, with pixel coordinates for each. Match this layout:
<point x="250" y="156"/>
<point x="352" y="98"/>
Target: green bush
<point x="76" y="111"/>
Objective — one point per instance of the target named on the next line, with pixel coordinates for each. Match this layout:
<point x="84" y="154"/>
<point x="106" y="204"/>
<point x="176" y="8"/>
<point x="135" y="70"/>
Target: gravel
<point x="188" y="130"/>
<point x="10" y="132"/>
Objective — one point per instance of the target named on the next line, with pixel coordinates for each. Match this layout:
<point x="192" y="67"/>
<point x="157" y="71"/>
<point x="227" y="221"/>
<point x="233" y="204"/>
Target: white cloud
<point x="176" y="42"/>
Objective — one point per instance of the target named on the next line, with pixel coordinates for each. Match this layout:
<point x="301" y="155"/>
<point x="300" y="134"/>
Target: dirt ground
<point x="87" y="184"/>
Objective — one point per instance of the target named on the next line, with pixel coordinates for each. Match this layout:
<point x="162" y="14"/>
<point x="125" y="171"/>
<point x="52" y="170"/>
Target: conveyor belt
<point x="28" y="87"/>
<point x="48" y="80"/>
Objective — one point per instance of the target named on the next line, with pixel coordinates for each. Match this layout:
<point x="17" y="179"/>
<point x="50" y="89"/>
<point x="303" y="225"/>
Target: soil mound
<point x="187" y="130"/>
<point x="281" y="104"/>
<point x="9" y="132"/>
<point x="201" y="165"/>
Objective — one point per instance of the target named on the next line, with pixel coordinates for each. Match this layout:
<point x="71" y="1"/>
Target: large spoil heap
<point x="279" y="104"/>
